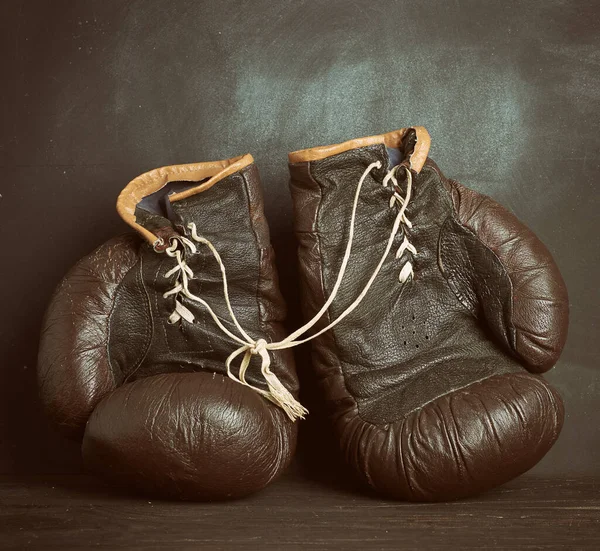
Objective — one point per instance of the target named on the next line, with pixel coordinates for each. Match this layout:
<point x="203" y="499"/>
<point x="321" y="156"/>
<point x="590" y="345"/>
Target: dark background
<point x="95" y="93"/>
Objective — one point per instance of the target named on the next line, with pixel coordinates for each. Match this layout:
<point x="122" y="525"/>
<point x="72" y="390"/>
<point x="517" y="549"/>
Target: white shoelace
<point x="276" y="392"/>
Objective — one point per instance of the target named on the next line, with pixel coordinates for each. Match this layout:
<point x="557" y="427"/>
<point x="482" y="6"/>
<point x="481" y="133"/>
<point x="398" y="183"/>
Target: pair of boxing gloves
<point x="430" y="311"/>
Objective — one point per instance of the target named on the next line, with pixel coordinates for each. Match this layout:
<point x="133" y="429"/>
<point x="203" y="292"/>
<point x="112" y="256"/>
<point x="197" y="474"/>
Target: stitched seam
<point x="149" y="324"/>
<point x="441" y="248"/>
<point x="400" y="453"/>
<point x="211" y="347"/>
<point x="149" y="321"/>
<point x="156" y="303"/>
<point x="257" y="245"/>
<point x="259" y="274"/>
<point x="108" y="333"/>
<point x="205" y="349"/>
<point x="322" y="285"/>
<point x="512" y="295"/>
<point x="556" y="430"/>
<point x="456" y="390"/>
<point x="448" y="393"/>
<point x="108" y="330"/>
<point x="449" y="274"/>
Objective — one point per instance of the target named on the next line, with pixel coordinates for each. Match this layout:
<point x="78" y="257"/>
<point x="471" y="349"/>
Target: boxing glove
<point x="440" y="309"/>
<point x="139" y="345"/>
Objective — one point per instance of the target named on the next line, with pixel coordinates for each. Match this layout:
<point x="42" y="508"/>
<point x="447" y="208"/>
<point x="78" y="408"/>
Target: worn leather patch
<point x="478" y="279"/>
<point x="230" y="215"/>
<point x="428" y="392"/>
<point x="406" y="344"/>
<point x="129" y="325"/>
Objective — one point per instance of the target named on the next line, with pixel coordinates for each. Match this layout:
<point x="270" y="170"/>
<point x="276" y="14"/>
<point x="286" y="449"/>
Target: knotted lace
<point x="249" y="346"/>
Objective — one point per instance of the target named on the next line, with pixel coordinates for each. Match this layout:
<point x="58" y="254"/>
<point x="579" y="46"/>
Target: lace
<point x="249" y="346"/>
<point x="406" y="272"/>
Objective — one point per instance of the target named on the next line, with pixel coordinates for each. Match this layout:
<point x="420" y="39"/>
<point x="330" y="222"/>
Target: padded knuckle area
<point x="189" y="436"/>
<point x="461" y="444"/>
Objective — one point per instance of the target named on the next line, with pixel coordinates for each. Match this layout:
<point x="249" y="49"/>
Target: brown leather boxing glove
<point x="132" y="358"/>
<point x="440" y="310"/>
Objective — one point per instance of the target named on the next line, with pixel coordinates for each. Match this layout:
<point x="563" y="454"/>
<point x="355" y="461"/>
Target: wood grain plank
<point x="77" y="512"/>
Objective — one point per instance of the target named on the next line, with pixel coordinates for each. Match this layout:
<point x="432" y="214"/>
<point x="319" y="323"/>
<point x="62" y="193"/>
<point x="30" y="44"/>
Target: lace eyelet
<point x="159" y="245"/>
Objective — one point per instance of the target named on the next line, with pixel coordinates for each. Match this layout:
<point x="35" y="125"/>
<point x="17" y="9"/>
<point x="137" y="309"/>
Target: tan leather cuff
<point x="152" y="181"/>
<point x="416" y="159"/>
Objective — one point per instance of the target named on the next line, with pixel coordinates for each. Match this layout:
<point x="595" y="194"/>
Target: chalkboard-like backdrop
<point x="94" y="93"/>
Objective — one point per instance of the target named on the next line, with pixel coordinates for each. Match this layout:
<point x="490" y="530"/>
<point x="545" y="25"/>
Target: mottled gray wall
<point x="94" y="93"/>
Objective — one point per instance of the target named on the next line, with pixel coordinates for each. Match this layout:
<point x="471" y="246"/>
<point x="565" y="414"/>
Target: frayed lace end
<point x="282" y="397"/>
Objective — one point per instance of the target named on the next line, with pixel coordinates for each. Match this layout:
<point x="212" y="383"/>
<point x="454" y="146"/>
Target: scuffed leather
<point x="230" y="215"/>
<point x="188" y="436"/>
<point x="427" y="396"/>
<point x="462" y="443"/>
<point x="539" y="318"/>
<point x="169" y="421"/>
<point x="74" y="367"/>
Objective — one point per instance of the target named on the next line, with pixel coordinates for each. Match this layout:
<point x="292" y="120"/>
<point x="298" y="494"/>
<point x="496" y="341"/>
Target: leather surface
<point x="188" y="436"/>
<point x="74" y="368"/>
<point x="537" y="328"/>
<point x="509" y="92"/>
<point x="230" y="215"/>
<point x="414" y="141"/>
<point x="430" y="350"/>
<point x="208" y="173"/>
<point x="176" y="425"/>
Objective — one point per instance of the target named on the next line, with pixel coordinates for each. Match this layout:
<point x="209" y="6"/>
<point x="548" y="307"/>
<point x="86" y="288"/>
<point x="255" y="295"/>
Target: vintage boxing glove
<point x="135" y="349"/>
<point x="439" y="310"/>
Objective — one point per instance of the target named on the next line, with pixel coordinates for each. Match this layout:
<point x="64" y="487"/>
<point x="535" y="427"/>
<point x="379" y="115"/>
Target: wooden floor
<point x="297" y="512"/>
